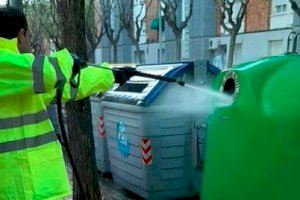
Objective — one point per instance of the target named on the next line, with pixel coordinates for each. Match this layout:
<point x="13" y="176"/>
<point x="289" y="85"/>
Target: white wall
<point x="98" y="56"/>
<point x="282" y="15"/>
<point x="251" y="46"/>
<point x="150" y="51"/>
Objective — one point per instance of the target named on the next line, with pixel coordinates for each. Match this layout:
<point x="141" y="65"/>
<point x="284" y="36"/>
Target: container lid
<point x="143" y="91"/>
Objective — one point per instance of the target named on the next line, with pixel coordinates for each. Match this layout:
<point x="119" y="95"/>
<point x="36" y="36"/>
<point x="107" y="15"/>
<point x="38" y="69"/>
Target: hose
<point x="65" y="139"/>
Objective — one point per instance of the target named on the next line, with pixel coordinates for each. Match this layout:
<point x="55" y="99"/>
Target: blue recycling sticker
<point x="122" y="140"/>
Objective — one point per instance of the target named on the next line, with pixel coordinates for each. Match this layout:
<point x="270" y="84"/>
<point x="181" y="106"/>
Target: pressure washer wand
<point x="142" y="74"/>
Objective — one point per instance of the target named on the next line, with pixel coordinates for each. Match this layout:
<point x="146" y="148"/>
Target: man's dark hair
<point x="11" y="22"/>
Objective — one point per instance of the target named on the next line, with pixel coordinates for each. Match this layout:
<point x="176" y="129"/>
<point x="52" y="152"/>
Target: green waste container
<point x="253" y="145"/>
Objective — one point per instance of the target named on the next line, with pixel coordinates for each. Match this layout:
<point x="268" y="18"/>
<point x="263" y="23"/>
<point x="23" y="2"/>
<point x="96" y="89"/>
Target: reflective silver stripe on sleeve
<point x="61" y="79"/>
<point x="15" y="122"/>
<point x="38" y="74"/>
<point x="28" y="142"/>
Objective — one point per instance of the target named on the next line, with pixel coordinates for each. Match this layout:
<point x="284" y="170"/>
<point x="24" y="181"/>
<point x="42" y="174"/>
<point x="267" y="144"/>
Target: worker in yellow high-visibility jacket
<point x="31" y="160"/>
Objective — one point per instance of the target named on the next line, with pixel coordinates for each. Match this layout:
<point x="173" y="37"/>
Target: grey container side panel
<point x="131" y="166"/>
<point x="170" y="137"/>
<point x="100" y="142"/>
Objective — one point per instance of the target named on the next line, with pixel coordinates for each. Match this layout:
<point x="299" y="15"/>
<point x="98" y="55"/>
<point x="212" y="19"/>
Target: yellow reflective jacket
<point x="31" y="160"/>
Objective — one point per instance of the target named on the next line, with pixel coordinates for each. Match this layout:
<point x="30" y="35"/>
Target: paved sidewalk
<point x="109" y="190"/>
<point x="112" y="191"/>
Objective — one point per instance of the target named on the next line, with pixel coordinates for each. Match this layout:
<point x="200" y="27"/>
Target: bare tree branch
<point x="241" y="14"/>
<point x="228" y="11"/>
<point x="134" y="24"/>
<point x="42" y="23"/>
<point x="93" y="34"/>
<point x="187" y="18"/>
<point x="295" y="7"/>
<point x="108" y="10"/>
<point x="225" y="10"/>
<point x="170" y="12"/>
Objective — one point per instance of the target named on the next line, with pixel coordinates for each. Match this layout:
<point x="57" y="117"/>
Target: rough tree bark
<point x="178" y="45"/>
<point x="138" y="52"/>
<point x="231" y="48"/>
<point x="72" y="20"/>
<point x="115" y="52"/>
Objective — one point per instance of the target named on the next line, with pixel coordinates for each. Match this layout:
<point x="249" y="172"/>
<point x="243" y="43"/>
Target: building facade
<point x="264" y="32"/>
<point x="195" y="39"/>
<point x="267" y="25"/>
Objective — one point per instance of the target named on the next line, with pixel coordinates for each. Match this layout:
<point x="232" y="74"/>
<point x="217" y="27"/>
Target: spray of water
<point x="219" y="98"/>
<point x="191" y="99"/>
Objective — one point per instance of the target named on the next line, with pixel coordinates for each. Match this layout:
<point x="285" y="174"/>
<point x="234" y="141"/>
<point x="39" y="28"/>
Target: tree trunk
<point x="82" y="147"/>
<point x="231" y="49"/>
<point x="138" y="52"/>
<point x="115" y="52"/>
<point x="178" y="47"/>
<point x="80" y="129"/>
<point x="91" y="56"/>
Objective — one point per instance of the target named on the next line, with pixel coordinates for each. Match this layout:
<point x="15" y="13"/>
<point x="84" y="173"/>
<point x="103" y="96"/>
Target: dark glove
<point x="77" y="66"/>
<point x="123" y="74"/>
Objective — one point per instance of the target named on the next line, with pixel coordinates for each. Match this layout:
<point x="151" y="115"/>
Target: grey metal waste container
<point x="100" y="139"/>
<point x="150" y="145"/>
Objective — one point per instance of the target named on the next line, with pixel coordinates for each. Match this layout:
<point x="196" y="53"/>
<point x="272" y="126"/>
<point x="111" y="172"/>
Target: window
<point x="275" y="47"/>
<point x="223" y="52"/>
<point x="220" y="57"/>
<point x="280" y="8"/>
<point x="282" y="15"/>
<point x="284" y="8"/>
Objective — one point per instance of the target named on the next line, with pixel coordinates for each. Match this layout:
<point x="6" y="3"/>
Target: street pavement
<point x="109" y="190"/>
<point x="112" y="191"/>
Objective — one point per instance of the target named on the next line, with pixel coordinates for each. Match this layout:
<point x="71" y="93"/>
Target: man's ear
<point x="21" y="35"/>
